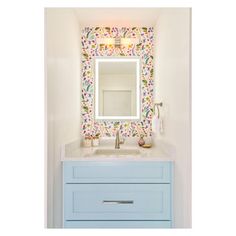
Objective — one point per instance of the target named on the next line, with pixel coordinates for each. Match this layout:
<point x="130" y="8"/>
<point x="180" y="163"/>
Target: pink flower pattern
<point x="91" y="49"/>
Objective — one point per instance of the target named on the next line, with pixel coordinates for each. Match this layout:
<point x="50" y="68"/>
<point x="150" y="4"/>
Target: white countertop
<point x="73" y="152"/>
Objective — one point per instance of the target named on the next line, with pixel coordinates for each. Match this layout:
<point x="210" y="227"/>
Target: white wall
<point x="124" y="82"/>
<point x="172" y="86"/>
<point x="62" y="70"/>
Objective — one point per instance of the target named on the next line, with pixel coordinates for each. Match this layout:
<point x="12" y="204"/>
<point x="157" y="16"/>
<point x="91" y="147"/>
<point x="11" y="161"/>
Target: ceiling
<point x="119" y="17"/>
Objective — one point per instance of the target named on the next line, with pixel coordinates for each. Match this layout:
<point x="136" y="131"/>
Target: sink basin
<point x="122" y="152"/>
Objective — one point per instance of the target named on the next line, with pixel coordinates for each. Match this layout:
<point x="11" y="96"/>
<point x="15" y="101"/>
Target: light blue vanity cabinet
<point x="117" y="194"/>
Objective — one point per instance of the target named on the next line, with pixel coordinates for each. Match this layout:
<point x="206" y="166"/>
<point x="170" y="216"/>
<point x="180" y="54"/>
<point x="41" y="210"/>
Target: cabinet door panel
<point x="117" y="202"/>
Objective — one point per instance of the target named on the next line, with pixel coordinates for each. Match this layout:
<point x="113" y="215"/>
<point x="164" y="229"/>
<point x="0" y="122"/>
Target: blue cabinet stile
<point x="122" y="194"/>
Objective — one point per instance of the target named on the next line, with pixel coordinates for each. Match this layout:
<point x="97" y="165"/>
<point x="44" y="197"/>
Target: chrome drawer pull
<point x="117" y="202"/>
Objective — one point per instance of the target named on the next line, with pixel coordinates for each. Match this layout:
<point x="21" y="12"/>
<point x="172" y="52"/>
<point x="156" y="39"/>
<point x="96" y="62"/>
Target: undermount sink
<point x="122" y="152"/>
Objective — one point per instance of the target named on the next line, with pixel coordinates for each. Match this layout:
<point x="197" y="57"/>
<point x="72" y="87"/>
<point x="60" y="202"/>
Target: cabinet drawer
<point x="117" y="224"/>
<point x="117" y="172"/>
<point x="117" y="202"/>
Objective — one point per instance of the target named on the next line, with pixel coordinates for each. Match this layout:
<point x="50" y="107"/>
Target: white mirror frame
<point x="138" y="103"/>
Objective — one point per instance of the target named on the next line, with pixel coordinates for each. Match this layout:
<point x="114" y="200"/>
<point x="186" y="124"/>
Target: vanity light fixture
<point x="118" y="41"/>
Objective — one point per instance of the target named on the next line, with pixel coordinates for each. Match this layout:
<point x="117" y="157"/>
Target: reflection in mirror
<point x="117" y="88"/>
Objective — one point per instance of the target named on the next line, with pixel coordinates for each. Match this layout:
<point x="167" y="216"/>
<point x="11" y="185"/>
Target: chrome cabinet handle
<point x="117" y="202"/>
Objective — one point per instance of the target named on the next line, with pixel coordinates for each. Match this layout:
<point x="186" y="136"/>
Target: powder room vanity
<point x="106" y="190"/>
<point x="126" y="187"/>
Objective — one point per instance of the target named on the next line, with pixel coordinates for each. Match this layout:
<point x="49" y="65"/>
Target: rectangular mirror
<point x="117" y="88"/>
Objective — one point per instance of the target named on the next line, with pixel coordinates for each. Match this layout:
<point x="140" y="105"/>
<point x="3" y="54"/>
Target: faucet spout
<point x="117" y="141"/>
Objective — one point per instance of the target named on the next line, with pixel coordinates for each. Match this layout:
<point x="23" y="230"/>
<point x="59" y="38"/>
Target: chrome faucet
<point x="117" y="141"/>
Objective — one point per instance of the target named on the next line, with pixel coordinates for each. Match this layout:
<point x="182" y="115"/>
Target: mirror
<point x="117" y="88"/>
<point x="117" y="95"/>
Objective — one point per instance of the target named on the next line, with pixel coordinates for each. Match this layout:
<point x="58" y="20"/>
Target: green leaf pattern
<point x="144" y="50"/>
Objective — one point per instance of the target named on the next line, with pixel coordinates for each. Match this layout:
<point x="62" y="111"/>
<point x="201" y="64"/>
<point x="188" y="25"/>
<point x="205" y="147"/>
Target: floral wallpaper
<point x="91" y="49"/>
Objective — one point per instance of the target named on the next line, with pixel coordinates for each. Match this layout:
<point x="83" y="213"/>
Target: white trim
<point x="96" y="87"/>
